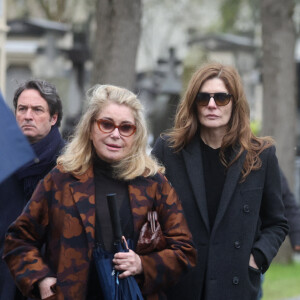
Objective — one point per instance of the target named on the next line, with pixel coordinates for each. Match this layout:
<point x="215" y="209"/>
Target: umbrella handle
<point x="125" y="242"/>
<point x="114" y="216"/>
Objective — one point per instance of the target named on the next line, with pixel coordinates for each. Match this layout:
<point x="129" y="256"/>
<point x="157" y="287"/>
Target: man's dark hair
<point x="47" y="91"/>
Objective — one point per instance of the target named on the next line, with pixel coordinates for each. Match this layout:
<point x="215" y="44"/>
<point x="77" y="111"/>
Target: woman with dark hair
<point x="228" y="181"/>
<point x="68" y="213"/>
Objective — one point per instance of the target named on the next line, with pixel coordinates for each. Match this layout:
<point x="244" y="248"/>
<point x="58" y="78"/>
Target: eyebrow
<point x="32" y="106"/>
<point x="110" y="119"/>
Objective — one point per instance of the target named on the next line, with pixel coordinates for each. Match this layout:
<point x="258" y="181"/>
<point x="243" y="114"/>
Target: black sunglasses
<point x="107" y="126"/>
<point x="221" y="99"/>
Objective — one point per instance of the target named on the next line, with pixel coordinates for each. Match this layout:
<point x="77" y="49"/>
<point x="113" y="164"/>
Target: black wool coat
<point x="250" y="216"/>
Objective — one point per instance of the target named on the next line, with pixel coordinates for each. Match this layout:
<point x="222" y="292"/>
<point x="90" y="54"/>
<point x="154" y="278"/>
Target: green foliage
<point x="231" y="14"/>
<point x="255" y="127"/>
<point x="282" y="281"/>
<point x="229" y="11"/>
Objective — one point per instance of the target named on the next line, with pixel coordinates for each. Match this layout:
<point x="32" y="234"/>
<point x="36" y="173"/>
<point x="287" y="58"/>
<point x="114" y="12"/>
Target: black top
<point x="105" y="184"/>
<point x="214" y="178"/>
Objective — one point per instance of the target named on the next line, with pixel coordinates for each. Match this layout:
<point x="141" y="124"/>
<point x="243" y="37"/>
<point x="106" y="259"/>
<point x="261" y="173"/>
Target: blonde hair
<point x="239" y="135"/>
<point x="79" y="153"/>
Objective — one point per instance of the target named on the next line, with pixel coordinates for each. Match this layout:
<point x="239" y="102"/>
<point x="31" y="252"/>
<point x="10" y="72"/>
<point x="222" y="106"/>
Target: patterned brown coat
<point x="61" y="215"/>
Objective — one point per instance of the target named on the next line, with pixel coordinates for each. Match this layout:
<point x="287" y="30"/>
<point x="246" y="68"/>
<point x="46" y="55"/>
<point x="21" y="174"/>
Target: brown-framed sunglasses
<point x="107" y="126"/>
<point x="221" y="99"/>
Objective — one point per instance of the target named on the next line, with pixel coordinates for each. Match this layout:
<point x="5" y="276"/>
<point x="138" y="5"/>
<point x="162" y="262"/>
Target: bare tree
<point x="279" y="77"/>
<point x="116" y="40"/>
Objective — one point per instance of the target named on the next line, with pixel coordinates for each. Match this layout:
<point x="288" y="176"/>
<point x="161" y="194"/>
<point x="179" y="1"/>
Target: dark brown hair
<point x="239" y="135"/>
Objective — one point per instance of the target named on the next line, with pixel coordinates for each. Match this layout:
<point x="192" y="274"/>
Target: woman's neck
<point x="212" y="137"/>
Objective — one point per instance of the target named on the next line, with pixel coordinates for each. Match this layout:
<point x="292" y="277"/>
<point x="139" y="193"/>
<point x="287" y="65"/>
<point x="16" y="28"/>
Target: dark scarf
<point x="47" y="151"/>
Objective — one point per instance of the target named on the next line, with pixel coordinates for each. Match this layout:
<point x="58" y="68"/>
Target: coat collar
<point x="232" y="179"/>
<point x="193" y="160"/>
<point x="83" y="191"/>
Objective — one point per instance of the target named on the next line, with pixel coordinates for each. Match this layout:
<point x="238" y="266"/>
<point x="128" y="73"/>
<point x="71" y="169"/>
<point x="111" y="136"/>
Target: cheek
<point x="229" y="112"/>
<point x="93" y="134"/>
<point x="18" y="117"/>
<point x="129" y="144"/>
<point x="199" y="112"/>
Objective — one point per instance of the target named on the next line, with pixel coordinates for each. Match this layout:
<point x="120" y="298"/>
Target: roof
<point x="223" y="41"/>
<point x="36" y="27"/>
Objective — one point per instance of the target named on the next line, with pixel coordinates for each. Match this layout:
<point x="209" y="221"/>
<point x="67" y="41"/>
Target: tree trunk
<point x="279" y="83"/>
<point x="116" y="41"/>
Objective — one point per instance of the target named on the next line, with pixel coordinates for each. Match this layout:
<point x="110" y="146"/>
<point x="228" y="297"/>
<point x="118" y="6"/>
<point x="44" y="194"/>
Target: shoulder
<point x="163" y="149"/>
<point x="263" y="145"/>
<point x="268" y="151"/>
<point x="159" y="178"/>
<point x="59" y="177"/>
<point x="163" y="141"/>
<point x="269" y="159"/>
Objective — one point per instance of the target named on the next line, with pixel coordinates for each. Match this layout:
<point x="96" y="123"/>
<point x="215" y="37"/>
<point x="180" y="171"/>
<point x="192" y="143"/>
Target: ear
<point x="53" y="119"/>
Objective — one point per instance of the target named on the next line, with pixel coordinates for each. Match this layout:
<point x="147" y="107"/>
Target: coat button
<point x="246" y="208"/>
<point x="235" y="280"/>
<point x="237" y="244"/>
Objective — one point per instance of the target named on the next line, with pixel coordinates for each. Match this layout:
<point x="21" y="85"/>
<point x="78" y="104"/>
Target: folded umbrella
<point x="15" y="150"/>
<point x="114" y="288"/>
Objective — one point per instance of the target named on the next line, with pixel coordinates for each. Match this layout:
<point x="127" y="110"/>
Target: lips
<point x="28" y="126"/>
<point x="113" y="146"/>
<point x="211" y="116"/>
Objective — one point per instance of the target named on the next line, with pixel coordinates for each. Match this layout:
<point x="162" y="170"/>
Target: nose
<point x="212" y="102"/>
<point x="28" y="114"/>
<point x="115" y="133"/>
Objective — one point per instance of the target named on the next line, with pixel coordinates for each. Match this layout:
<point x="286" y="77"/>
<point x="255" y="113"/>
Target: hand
<point x="44" y="286"/>
<point x="297" y="248"/>
<point x="252" y="262"/>
<point x="129" y="262"/>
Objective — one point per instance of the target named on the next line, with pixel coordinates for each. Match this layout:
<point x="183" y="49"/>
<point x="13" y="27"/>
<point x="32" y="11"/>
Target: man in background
<point x="292" y="213"/>
<point x="38" y="111"/>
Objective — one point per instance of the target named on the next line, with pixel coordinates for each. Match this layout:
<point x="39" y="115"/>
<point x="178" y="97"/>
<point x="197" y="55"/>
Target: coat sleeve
<point x="24" y="240"/>
<point x="274" y="227"/>
<point x="292" y="211"/>
<point x="164" y="268"/>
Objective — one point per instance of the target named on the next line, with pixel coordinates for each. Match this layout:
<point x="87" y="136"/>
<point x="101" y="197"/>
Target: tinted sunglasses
<point x="221" y="99"/>
<point x="107" y="126"/>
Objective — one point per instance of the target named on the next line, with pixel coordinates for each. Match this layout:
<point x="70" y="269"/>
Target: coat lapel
<point x="140" y="201"/>
<point x="231" y="181"/>
<point x="83" y="191"/>
<point x="194" y="166"/>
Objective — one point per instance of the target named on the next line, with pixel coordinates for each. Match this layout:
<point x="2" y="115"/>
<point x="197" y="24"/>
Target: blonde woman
<point x="106" y="155"/>
<point x="229" y="183"/>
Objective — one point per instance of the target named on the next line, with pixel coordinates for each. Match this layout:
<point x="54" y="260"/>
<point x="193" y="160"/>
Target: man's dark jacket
<point x="15" y="192"/>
